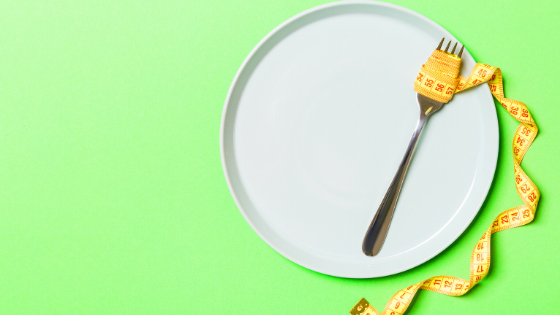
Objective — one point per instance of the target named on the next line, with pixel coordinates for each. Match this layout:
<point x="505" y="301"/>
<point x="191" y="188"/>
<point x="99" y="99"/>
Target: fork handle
<point x="377" y="231"/>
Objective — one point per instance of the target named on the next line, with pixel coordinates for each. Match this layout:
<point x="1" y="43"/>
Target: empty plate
<point x="314" y="127"/>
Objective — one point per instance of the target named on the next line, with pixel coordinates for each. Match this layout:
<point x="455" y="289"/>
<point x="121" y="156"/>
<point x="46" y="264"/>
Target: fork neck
<point x="421" y="121"/>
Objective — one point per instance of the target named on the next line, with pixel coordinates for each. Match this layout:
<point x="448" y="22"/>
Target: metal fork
<point x="377" y="231"/>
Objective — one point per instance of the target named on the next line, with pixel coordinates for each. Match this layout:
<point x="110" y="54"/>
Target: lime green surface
<point x="112" y="196"/>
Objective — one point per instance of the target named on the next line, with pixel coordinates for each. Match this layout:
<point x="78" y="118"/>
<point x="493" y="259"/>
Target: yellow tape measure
<point x="439" y="80"/>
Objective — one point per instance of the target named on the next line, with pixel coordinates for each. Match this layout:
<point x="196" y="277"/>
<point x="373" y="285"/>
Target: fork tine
<point x="453" y="50"/>
<point x="440" y="43"/>
<point x="461" y="51"/>
<point x="446" y="48"/>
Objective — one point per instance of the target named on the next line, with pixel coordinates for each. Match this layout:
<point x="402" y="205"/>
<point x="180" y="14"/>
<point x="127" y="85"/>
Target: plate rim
<point x="234" y="82"/>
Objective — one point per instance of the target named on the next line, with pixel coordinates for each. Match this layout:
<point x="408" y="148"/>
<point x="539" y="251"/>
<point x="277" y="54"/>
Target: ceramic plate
<point x="316" y="122"/>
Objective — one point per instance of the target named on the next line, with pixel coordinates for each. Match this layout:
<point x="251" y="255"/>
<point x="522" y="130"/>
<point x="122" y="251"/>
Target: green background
<point x="112" y="196"/>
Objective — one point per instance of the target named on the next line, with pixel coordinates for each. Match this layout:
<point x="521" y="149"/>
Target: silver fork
<point x="377" y="231"/>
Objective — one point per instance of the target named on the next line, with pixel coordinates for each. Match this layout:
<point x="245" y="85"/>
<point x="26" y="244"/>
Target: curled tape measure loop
<point x="439" y="80"/>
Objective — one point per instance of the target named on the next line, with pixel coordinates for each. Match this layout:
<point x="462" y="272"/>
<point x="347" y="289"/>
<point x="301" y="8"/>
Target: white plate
<point x="316" y="122"/>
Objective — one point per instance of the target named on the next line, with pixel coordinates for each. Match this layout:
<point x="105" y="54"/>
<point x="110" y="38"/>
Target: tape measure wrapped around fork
<point x="439" y="79"/>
